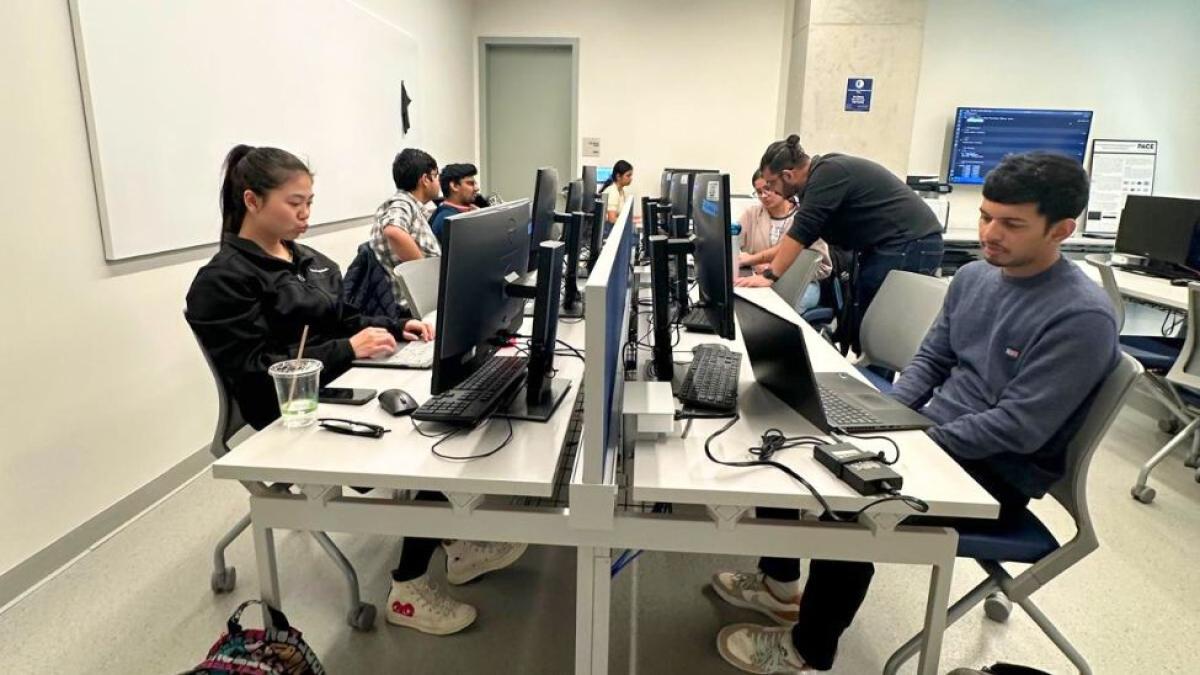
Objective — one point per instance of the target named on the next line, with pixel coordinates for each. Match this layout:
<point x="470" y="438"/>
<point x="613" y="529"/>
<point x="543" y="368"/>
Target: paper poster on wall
<point x="858" y="94"/>
<point x="591" y="146"/>
<point x="1118" y="168"/>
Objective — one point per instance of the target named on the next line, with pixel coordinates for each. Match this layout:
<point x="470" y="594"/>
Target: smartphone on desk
<point x="345" y="396"/>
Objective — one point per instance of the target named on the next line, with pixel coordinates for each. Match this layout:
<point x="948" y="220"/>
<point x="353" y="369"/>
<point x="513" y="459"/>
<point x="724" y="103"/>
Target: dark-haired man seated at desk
<point x="1006" y="371"/>
<point x="460" y="188"/>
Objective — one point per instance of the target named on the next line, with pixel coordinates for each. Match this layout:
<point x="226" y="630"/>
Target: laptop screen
<point x="779" y="358"/>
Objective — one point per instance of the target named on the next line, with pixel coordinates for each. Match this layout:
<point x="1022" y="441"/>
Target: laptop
<point x="831" y="401"/>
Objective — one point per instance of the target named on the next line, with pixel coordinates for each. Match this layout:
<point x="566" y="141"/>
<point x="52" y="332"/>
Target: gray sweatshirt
<point x="1007" y="365"/>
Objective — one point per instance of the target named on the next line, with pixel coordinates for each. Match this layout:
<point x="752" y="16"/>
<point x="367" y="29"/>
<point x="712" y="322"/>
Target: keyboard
<point x="697" y="320"/>
<point x="410" y="355"/>
<point x="711" y="380"/>
<point x="477" y="396"/>
<point x="839" y="413"/>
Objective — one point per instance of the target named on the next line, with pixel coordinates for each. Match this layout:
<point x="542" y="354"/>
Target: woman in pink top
<point x="763" y="225"/>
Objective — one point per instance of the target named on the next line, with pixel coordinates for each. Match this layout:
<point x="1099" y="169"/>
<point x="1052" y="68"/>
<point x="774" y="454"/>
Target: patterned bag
<point x="239" y="651"/>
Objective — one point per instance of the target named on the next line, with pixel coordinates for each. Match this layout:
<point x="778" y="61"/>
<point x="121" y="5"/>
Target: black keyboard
<point x="841" y="414"/>
<point x="712" y="378"/>
<point x="477" y="396"/>
<point x="697" y="320"/>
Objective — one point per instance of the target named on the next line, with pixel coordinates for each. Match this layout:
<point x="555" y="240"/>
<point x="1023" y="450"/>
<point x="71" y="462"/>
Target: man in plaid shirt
<point x="401" y="231"/>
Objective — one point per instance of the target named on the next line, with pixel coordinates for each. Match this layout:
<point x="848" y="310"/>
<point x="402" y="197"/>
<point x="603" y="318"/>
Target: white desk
<point x="674" y="469"/>
<point x="481" y="505"/>
<point x="1151" y="290"/>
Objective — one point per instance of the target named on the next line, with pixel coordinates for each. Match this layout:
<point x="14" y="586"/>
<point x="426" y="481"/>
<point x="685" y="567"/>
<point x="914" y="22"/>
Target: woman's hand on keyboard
<point x="418" y="330"/>
<point x="369" y="343"/>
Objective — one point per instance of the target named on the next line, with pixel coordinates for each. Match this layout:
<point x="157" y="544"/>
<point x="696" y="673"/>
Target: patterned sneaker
<point x="764" y="650"/>
<point x="749" y="591"/>
<point x="421" y="605"/>
<point x="469" y="560"/>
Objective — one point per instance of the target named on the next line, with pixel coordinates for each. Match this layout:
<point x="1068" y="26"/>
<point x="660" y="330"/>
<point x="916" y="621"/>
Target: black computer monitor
<point x="595" y="233"/>
<point x="541" y="227"/>
<point x="589" y="187"/>
<point x="1163" y="230"/>
<point x="575" y="196"/>
<point x="482" y="252"/>
<point x="664" y="186"/>
<point x="713" y="251"/>
<point x="681" y="195"/>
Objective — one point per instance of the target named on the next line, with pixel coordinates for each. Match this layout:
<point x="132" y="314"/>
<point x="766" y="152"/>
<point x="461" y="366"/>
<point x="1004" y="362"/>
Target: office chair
<point x="419" y="281"/>
<point x="1157" y="357"/>
<point x="1184" y="381"/>
<point x="224" y="577"/>
<point x="991" y="543"/>
<point x="795" y="281"/>
<point x="901" y="314"/>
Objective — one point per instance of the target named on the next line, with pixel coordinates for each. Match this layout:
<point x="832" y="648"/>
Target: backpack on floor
<point x="278" y="650"/>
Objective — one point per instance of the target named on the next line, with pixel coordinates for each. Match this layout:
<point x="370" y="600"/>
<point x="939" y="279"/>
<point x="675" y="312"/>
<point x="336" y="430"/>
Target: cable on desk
<point x="881" y="456"/>
<point x="468" y="458"/>
<point x="772" y="443"/>
<point x="574" y="351"/>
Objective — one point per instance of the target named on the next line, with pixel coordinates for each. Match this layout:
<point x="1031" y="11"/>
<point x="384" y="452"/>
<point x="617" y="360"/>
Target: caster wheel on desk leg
<point x="1143" y="494"/>
<point x="224" y="580"/>
<point x="997" y="607"/>
<point x="1169" y="425"/>
<point x="362" y="618"/>
<point x="1192" y="462"/>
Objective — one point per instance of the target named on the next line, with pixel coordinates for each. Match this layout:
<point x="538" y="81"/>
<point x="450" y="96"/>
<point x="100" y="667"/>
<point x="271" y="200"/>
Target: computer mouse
<point x="1182" y="281"/>
<point x="397" y="402"/>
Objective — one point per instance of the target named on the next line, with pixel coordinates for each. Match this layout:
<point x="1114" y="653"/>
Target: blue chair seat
<point x="818" y="316"/>
<point x="1153" y="353"/>
<point x="1022" y="539"/>
<point x="881" y="383"/>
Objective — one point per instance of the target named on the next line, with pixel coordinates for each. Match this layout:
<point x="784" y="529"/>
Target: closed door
<point x="528" y="115"/>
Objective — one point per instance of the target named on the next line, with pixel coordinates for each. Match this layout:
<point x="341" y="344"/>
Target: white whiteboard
<point x="170" y="86"/>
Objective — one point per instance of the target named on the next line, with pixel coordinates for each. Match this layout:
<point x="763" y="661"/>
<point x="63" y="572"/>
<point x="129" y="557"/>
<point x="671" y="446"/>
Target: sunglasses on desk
<point x="352" y="427"/>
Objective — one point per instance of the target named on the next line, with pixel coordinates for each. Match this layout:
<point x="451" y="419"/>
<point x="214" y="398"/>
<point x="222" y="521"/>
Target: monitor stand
<point x="541" y="411"/>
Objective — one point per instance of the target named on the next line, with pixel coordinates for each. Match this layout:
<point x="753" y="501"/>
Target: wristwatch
<point x="769" y="274"/>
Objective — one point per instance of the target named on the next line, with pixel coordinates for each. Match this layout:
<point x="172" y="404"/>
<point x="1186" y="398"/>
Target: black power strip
<point x="861" y="470"/>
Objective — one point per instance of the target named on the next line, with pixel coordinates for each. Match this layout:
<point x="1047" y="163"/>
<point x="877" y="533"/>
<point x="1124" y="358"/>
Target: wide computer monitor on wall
<point x="607" y="316"/>
<point x="983" y="136"/>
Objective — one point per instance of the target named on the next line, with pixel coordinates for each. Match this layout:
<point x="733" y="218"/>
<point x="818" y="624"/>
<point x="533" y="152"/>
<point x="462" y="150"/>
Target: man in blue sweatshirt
<point x="1006" y="372"/>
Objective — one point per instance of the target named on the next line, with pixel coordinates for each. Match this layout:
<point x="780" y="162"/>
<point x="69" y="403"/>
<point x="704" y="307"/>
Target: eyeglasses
<point x="352" y="428"/>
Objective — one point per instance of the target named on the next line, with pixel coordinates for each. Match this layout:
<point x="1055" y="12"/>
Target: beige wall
<point x="836" y="40"/>
<point x="1137" y="65"/>
<point x="104" y="387"/>
<point x="667" y="82"/>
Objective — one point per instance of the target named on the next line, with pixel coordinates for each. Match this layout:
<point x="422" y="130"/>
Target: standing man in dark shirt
<point x="855" y="204"/>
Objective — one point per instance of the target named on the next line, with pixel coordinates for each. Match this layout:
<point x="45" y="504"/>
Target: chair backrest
<point x="798" y="276"/>
<point x="901" y="314"/>
<point x="1108" y="279"/>
<point x="229" y="417"/>
<point x="1185" y="372"/>
<point x="419" y="284"/>
<point x="1071" y="489"/>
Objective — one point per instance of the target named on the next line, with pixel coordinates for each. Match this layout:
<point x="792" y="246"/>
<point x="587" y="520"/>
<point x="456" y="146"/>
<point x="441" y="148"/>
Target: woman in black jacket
<point x="249" y="306"/>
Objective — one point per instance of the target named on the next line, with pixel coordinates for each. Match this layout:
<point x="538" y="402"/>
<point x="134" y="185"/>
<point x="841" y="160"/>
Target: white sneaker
<point x="764" y="650"/>
<point x="468" y="560"/>
<point x="749" y="591"/>
<point x="421" y="605"/>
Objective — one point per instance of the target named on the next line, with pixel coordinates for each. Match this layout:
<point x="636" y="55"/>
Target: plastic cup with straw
<point x="297" y="382"/>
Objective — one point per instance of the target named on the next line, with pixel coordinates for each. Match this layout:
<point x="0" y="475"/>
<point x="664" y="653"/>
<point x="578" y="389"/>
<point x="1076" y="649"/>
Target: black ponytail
<point x="259" y="170"/>
<point x="783" y="155"/>
<point x="619" y="168"/>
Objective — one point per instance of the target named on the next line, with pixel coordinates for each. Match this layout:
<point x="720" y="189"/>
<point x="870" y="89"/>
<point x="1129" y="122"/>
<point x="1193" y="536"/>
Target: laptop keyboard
<point x="839" y="413"/>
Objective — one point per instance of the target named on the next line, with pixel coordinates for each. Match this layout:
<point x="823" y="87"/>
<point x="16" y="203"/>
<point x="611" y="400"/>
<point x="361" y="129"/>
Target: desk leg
<point x="268" y="571"/>
<point x="593" y="587"/>
<point x="935" y="617"/>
